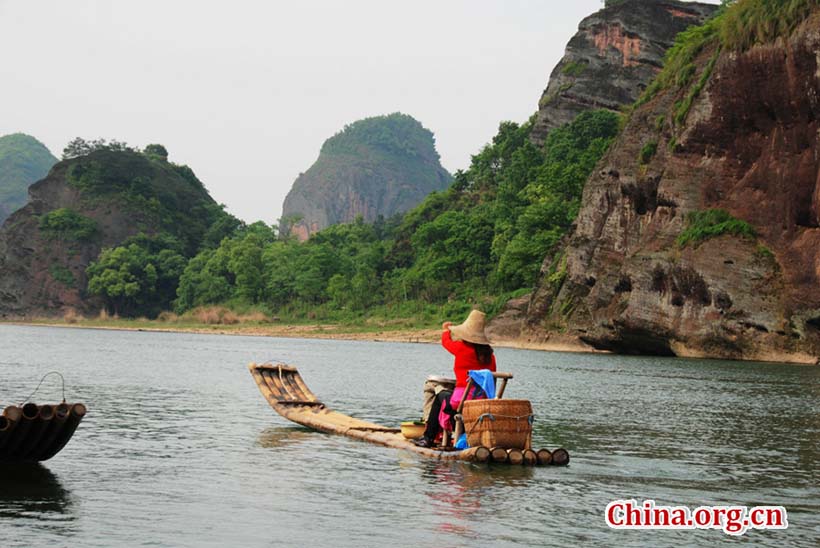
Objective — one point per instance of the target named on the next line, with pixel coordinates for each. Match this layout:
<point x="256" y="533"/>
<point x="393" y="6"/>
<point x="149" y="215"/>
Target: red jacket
<point x="465" y="358"/>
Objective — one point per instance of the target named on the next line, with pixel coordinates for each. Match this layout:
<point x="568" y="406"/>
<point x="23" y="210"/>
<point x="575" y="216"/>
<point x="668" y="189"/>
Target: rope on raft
<point x="41" y="383"/>
<point x="491" y="416"/>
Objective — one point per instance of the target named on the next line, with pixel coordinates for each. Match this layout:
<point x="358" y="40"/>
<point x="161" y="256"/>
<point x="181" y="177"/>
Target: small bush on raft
<point x="711" y="223"/>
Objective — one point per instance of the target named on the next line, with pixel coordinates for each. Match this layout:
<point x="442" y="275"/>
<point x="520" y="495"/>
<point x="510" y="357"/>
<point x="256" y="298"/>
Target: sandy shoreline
<point x="318" y="331"/>
<point x="313" y="331"/>
<point x="554" y="342"/>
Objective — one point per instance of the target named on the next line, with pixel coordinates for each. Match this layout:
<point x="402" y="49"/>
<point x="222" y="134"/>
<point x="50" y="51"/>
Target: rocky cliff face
<point x="613" y="57"/>
<point x="120" y="194"/>
<point x="377" y="166"/>
<point x="29" y="259"/>
<point x="748" y="145"/>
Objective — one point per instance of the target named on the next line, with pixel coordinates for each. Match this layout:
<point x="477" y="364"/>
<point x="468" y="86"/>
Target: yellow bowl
<point x="412" y="429"/>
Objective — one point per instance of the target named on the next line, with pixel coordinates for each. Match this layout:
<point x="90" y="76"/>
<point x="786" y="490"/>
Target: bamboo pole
<point x="515" y="456"/>
<point x="12" y="415"/>
<point x="482" y="454"/>
<point x="544" y="456"/>
<point x="13" y="412"/>
<point x="6" y="428"/>
<point x="560" y="457"/>
<point x="78" y="411"/>
<point x="41" y="423"/>
<point x="30" y="412"/>
<point x="498" y="454"/>
<point x="530" y="457"/>
<point x="55" y="426"/>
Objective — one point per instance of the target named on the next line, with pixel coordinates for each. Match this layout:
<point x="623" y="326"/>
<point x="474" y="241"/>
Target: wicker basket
<point x="498" y="423"/>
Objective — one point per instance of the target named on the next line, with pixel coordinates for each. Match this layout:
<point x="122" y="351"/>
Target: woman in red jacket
<point x="468" y="343"/>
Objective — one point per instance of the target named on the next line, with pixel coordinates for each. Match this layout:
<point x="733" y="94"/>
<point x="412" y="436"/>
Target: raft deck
<point x="286" y="391"/>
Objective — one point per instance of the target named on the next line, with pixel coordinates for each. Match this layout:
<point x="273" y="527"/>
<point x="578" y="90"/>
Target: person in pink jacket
<point x="469" y="345"/>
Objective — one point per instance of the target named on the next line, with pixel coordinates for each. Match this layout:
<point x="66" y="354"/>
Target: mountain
<point x="23" y="160"/>
<point x="375" y="167"/>
<point x="99" y="200"/>
<point x="699" y="231"/>
<point x="612" y="58"/>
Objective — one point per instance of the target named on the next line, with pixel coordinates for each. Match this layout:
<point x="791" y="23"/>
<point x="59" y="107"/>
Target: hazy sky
<point x="245" y="92"/>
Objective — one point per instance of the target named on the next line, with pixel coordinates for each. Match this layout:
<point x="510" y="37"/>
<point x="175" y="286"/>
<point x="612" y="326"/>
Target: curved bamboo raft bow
<point x="289" y="396"/>
<point x="33" y="433"/>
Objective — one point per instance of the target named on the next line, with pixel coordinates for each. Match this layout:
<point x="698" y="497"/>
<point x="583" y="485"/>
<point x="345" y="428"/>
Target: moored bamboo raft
<point x="286" y="392"/>
<point x="34" y="433"/>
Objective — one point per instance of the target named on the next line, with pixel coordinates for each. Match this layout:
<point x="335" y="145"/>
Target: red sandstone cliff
<point x="748" y="145"/>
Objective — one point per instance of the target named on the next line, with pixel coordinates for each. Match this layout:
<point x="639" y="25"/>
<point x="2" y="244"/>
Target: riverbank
<point x="389" y="331"/>
<point x="377" y="333"/>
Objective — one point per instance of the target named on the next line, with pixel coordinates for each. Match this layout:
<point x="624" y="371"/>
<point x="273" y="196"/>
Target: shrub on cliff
<point x="65" y="223"/>
<point x="711" y="223"/>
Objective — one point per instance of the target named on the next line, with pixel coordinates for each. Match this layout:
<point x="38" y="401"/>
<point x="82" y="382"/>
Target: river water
<point x="180" y="449"/>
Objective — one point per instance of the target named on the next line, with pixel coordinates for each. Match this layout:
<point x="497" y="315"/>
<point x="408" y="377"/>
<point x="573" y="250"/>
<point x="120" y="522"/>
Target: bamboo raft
<point x="285" y="390"/>
<point x="34" y="433"/>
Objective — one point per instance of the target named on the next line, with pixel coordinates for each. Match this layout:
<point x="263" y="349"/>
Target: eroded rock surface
<point x="613" y="57"/>
<point x="377" y="166"/>
<point x="749" y="145"/>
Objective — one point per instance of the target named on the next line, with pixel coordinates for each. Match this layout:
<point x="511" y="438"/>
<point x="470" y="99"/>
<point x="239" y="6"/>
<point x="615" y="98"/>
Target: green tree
<point x="156" y="152"/>
<point x="205" y="280"/>
<point x="139" y="277"/>
<point x="124" y="277"/>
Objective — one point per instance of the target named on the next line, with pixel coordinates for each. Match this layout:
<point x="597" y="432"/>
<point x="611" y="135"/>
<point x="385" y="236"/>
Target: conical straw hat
<point x="472" y="330"/>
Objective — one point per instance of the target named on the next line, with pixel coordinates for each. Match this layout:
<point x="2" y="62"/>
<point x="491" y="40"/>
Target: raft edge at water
<point x="36" y="433"/>
<point x="286" y="392"/>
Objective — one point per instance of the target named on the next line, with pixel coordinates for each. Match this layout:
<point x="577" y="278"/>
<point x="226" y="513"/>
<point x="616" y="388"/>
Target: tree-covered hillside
<point x="23" y="161"/>
<point x="139" y="234"/>
<point x="172" y="213"/>
<point x="109" y="225"/>
<point x="482" y="238"/>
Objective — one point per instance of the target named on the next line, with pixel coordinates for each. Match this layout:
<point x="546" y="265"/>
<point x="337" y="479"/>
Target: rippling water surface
<point x="180" y="449"/>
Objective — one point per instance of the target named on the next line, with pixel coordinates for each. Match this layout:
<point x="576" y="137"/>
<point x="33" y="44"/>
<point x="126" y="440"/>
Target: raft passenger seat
<point x="501" y="384"/>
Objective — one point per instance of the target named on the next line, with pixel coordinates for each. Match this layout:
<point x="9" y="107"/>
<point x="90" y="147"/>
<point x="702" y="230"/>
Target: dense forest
<point x="477" y="242"/>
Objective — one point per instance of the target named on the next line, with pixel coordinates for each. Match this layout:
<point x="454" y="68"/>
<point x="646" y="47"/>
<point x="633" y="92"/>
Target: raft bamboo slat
<point x="37" y="432"/>
<point x="287" y="393"/>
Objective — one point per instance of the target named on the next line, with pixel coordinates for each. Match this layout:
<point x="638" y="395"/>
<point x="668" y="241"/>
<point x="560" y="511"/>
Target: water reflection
<point x="32" y="491"/>
<point x="281" y="436"/>
<point x="456" y="491"/>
